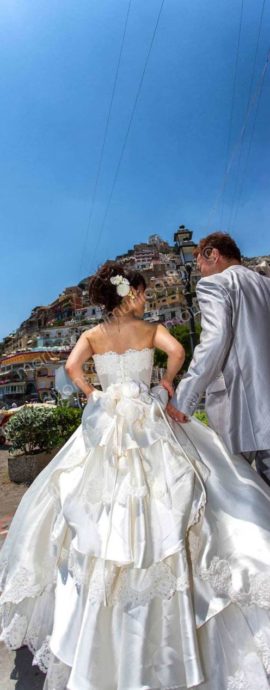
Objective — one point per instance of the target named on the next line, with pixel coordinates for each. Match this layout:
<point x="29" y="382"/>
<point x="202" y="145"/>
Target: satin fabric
<point x="231" y="363"/>
<point x="139" y="558"/>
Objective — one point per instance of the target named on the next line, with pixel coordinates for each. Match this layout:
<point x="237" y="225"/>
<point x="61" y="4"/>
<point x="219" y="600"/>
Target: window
<point x="42" y="372"/>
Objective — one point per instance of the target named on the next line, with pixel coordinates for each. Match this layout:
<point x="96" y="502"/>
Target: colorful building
<point x="29" y="375"/>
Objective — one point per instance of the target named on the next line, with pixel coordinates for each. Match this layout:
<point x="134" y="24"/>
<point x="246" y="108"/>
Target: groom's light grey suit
<point x="232" y="361"/>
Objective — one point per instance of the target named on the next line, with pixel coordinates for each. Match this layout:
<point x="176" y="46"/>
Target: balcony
<point x="14" y="389"/>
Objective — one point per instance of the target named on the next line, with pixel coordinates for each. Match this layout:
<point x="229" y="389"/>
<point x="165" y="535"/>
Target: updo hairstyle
<point x="103" y="293"/>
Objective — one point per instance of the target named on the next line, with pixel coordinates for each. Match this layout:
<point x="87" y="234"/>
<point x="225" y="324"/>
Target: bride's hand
<point x="89" y="395"/>
<point x="168" y="387"/>
<point x="176" y="414"/>
<point x="97" y="391"/>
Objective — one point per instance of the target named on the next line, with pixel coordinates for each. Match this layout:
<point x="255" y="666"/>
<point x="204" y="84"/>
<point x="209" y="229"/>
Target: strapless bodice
<point x="112" y="367"/>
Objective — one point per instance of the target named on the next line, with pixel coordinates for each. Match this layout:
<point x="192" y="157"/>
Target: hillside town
<point x="30" y="356"/>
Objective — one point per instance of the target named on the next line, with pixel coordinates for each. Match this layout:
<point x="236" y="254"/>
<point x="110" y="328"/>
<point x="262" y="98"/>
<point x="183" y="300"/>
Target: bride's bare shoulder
<point x="146" y="331"/>
<point x="93" y="334"/>
<point x="134" y="333"/>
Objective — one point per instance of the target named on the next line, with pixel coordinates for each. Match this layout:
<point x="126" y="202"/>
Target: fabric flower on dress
<point x="126" y="399"/>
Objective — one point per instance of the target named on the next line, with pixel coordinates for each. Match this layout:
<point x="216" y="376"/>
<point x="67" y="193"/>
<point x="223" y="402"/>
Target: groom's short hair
<point x="222" y="241"/>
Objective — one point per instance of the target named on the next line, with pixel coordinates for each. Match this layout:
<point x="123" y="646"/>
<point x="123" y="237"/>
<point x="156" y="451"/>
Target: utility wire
<point x="253" y="102"/>
<point x="118" y="166"/>
<point x="262" y="80"/>
<point x="232" y="102"/>
<point x="239" y="183"/>
<point x="102" y="150"/>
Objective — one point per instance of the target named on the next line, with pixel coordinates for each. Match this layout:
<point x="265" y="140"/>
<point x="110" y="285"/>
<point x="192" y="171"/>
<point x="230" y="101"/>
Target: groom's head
<point x="216" y="252"/>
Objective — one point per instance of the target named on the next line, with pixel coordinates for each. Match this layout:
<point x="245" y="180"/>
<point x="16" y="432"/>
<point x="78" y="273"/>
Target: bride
<point x="139" y="559"/>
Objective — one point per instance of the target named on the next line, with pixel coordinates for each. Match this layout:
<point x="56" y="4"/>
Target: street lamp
<point x="184" y="246"/>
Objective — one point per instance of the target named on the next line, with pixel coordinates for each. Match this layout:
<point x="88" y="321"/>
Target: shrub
<point x="68" y="420"/>
<point x="35" y="429"/>
<point x="201" y="416"/>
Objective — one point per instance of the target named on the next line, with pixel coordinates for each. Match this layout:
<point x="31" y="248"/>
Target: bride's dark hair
<point x="103" y="293"/>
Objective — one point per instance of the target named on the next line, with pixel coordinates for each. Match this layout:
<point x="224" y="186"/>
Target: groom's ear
<point x="215" y="255"/>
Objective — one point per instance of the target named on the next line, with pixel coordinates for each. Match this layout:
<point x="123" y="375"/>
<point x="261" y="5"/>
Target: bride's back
<point x="119" y="335"/>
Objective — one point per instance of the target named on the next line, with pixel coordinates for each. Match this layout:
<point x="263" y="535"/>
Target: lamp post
<point x="184" y="246"/>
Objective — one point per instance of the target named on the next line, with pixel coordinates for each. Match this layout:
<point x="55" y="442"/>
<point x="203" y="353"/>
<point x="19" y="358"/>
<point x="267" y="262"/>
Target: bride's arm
<point x="79" y="355"/>
<point x="164" y="341"/>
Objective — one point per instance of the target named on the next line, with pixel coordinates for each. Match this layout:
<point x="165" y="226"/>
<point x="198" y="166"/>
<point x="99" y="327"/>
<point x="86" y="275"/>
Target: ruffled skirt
<point x="139" y="559"/>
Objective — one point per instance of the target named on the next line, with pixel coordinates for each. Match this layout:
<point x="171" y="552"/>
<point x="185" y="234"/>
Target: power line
<point x="118" y="166"/>
<point x="102" y="150"/>
<point x="233" y="100"/>
<point x="262" y="80"/>
<point x="239" y="183"/>
<point x="253" y="103"/>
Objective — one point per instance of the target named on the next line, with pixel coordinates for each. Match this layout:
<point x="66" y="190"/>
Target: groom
<point x="232" y="361"/>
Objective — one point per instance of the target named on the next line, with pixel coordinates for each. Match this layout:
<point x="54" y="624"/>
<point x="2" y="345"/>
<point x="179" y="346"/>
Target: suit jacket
<point x="232" y="361"/>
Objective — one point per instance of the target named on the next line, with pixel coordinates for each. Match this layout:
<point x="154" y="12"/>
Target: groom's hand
<point x="176" y="415"/>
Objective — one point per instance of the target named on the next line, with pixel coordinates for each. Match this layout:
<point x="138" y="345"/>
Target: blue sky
<point x="59" y="62"/>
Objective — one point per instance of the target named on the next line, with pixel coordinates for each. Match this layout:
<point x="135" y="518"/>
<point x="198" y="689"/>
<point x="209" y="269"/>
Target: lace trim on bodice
<point x="122" y="354"/>
<point x="114" y="367"/>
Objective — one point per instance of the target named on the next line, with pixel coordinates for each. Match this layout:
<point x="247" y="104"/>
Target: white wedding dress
<point x="139" y="559"/>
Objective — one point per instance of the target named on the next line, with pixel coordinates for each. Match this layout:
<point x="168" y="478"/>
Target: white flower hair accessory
<point x="122" y="285"/>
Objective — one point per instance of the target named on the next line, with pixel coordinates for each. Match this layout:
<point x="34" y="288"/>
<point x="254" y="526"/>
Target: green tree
<point x="181" y="333"/>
